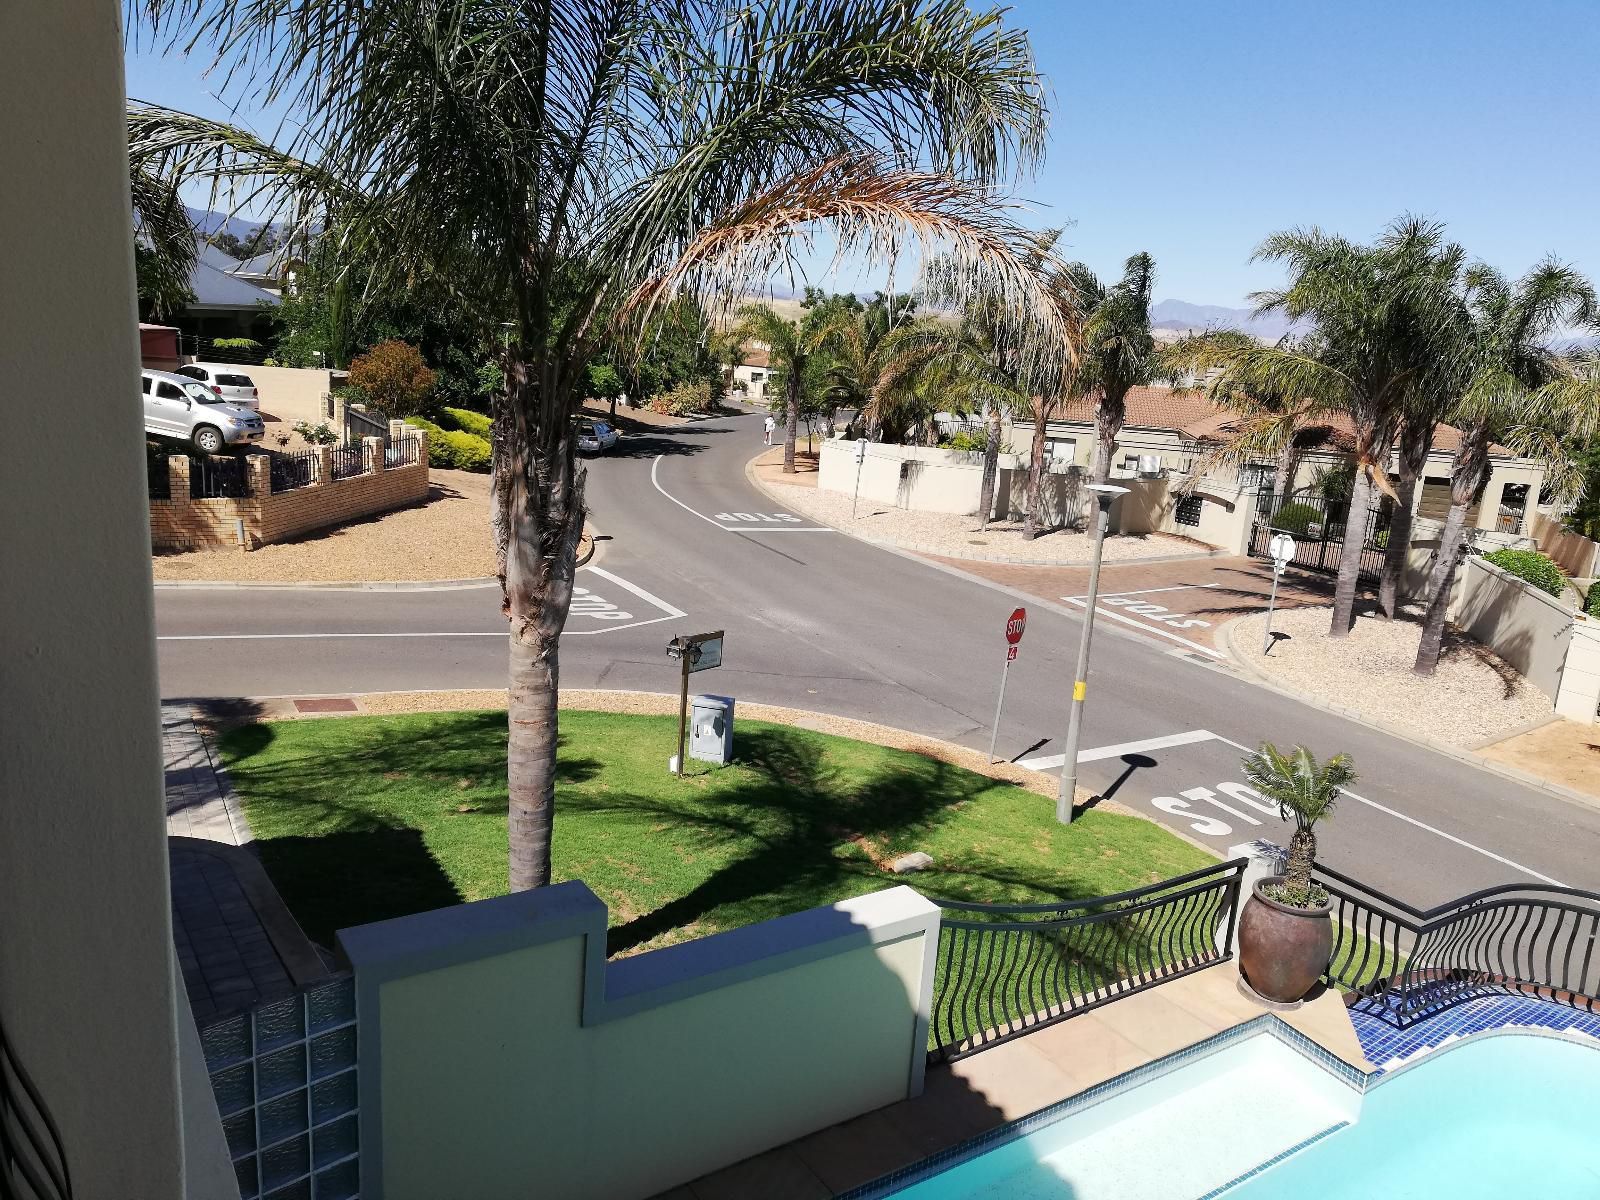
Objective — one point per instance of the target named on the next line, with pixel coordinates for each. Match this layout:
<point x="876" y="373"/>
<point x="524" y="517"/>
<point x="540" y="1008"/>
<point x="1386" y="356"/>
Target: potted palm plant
<point x="1285" y="931"/>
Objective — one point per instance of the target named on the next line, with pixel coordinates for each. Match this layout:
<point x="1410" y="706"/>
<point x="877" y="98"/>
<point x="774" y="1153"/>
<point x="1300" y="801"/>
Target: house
<point x="1175" y="427"/>
<point x="271" y="271"/>
<point x="752" y="373"/>
<point x="226" y="304"/>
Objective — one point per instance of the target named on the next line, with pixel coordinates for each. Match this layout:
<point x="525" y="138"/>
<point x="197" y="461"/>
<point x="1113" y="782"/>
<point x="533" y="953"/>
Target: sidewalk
<point x="1185" y="601"/>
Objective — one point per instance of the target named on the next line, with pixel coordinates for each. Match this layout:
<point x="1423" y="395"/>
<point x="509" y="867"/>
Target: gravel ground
<point x="952" y="535"/>
<point x="1562" y="752"/>
<point x="447" y="537"/>
<point x="1473" y="696"/>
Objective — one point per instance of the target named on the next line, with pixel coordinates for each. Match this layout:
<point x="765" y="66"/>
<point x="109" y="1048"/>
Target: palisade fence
<point x="1003" y="970"/>
<point x="159" y="477"/>
<point x="403" y="452"/>
<point x="33" y="1163"/>
<point x="1317" y="525"/>
<point x="214" y="477"/>
<point x="347" y="461"/>
<point x="1408" y="964"/>
<point x="290" y="471"/>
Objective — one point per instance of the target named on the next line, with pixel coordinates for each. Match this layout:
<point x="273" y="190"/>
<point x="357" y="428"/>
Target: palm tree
<point x="1516" y="393"/>
<point x="570" y="167"/>
<point x="1119" y="351"/>
<point x="1302" y="789"/>
<point x="792" y="351"/>
<point x="876" y="354"/>
<point x="1383" y="315"/>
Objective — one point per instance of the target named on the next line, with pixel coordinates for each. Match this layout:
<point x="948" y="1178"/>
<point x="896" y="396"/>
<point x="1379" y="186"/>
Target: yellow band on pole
<point x="1080" y="690"/>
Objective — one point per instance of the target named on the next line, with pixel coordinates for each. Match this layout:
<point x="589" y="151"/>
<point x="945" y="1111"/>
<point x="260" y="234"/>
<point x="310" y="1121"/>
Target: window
<point x="144" y="380"/>
<point x="1062" y="450"/>
<point x="235" y="381"/>
<point x="757" y="376"/>
<point x="191" y="372"/>
<point x="1130" y="462"/>
<point x="169" y="391"/>
<point x="1188" y="510"/>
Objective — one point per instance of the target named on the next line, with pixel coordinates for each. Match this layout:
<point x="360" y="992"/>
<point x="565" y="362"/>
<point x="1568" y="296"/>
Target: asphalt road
<point x="819" y="620"/>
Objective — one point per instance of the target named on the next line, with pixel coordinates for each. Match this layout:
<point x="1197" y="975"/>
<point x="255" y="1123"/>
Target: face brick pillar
<point x="371" y="454"/>
<point x="258" y="475"/>
<point x="324" y="466"/>
<point x="178" y="477"/>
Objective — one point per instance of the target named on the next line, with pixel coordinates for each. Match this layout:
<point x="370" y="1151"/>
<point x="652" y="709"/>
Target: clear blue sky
<point x="1192" y="129"/>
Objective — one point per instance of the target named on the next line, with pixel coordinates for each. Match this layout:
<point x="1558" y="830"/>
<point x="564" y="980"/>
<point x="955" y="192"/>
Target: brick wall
<point x="184" y="524"/>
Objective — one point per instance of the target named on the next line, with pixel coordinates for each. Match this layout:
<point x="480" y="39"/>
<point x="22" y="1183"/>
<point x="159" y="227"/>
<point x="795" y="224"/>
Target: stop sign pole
<point x="1015" y="624"/>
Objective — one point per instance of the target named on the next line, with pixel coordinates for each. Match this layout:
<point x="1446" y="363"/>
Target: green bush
<point x="1536" y="568"/>
<point x="683" y="400"/>
<point x="465" y="421"/>
<point x="1381" y="540"/>
<point x="1591" y="604"/>
<point x="1295" y="518"/>
<point x="235" y="344"/>
<point x="971" y="440"/>
<point x="453" y="449"/>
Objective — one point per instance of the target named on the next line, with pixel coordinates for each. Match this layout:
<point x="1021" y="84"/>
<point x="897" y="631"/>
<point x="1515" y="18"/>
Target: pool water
<point x="1494" y="1117"/>
<point x="1269" y="1116"/>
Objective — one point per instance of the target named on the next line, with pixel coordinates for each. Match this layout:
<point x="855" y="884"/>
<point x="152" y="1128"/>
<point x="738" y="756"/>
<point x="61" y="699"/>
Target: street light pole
<point x="1104" y="494"/>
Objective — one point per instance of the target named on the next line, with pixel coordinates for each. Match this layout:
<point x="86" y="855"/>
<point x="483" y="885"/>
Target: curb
<point x="1006" y="559"/>
<point x="1255" y="675"/>
<point x="416" y="585"/>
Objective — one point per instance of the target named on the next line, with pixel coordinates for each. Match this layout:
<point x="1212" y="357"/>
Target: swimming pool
<point x="1262" y="1113"/>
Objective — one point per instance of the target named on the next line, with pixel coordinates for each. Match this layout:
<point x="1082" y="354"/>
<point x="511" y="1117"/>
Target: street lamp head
<point x="1106" y="489"/>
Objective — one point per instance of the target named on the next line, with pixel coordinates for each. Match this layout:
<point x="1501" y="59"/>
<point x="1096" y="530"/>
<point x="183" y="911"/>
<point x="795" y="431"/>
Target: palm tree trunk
<point x="1283" y="471"/>
<point x="791" y="428"/>
<point x="1416" y="439"/>
<point x="1030" y="520"/>
<point x="991" y="468"/>
<point x="1466" y="477"/>
<point x="1355" y="535"/>
<point x="1109" y="414"/>
<point x="1302" y="855"/>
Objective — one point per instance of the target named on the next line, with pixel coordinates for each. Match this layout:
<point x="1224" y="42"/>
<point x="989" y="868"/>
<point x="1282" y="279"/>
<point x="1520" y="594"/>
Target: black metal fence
<point x="216" y="476"/>
<point x="347" y="461"/>
<point x="158" y="476"/>
<point x="403" y="451"/>
<point x="1409" y="964"/>
<point x="33" y="1163"/>
<point x="290" y="471"/>
<point x="1317" y="525"/>
<point x="1003" y="970"/>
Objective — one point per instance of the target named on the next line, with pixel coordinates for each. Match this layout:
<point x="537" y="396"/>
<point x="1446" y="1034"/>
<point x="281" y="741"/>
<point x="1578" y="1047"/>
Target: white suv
<point x="227" y="380"/>
<point x="176" y="406"/>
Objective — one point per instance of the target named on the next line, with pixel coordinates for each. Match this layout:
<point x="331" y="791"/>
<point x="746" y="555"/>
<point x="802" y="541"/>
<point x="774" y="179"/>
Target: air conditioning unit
<point x="1149" y="466"/>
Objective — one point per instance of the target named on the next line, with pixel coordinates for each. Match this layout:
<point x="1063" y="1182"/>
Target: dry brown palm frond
<point x="873" y="211"/>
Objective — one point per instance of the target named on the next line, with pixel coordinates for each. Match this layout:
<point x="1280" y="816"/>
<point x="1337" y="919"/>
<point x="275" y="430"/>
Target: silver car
<point x="225" y="380"/>
<point x="178" y="407"/>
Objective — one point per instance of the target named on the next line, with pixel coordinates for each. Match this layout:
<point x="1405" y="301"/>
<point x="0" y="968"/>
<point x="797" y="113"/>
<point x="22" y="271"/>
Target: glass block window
<point x="1188" y="510"/>
<point x="285" y="1081"/>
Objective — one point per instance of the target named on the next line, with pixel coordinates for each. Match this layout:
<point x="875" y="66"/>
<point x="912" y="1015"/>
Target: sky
<point x="1193" y="129"/>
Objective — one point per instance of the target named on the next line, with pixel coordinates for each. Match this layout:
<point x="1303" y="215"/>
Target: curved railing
<point x="1003" y="970"/>
<point x="1410" y="963"/>
<point x="33" y="1165"/>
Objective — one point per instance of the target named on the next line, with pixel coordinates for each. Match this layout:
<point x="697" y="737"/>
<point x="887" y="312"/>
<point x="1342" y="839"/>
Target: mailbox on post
<point x="701" y="652"/>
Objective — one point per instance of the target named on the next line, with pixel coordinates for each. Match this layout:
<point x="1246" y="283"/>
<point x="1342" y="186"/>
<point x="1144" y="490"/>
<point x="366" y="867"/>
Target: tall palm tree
<point x="1119" y="351"/>
<point x="876" y="355"/>
<point x="573" y="165"/>
<point x="1305" y="790"/>
<point x="792" y="352"/>
<point x="1384" y="315"/>
<point x="1517" y="393"/>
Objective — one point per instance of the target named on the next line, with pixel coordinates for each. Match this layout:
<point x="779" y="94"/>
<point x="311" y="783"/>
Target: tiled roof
<point x="754" y="358"/>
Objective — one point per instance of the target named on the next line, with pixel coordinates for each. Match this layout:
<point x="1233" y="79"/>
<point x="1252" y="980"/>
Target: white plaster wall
<point x="87" y="980"/>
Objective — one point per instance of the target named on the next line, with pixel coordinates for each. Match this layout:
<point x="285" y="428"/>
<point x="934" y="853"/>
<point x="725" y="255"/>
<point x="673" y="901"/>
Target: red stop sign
<point x="1015" y="626"/>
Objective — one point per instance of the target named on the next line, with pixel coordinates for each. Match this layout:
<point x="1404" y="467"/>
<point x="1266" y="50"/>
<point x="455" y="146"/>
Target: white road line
<point x="1045" y="762"/>
<point x="1182" y="587"/>
<point x="752" y="528"/>
<point x="673" y="612"/>
<point x="1449" y="837"/>
<point x="1147" y="628"/>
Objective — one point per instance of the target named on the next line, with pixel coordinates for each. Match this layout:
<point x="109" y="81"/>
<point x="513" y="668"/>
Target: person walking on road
<point x="769" y="425"/>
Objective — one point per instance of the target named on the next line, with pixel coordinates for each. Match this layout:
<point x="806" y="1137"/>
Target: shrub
<point x="235" y="344"/>
<point x="1530" y="565"/>
<point x="1381" y="539"/>
<point x="683" y="400"/>
<point x="394" y="378"/>
<point x="1591" y="604"/>
<point x="970" y="440"/>
<point x="453" y="449"/>
<point x="1295" y="518"/>
<point x="317" y="435"/>
<point x="466" y="421"/>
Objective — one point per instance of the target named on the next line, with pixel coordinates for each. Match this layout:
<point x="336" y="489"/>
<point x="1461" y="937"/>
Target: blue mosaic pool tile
<point x="1385" y="1044"/>
<point x="1276" y="1159"/>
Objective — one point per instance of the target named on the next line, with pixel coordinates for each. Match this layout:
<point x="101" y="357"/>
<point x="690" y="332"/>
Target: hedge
<point x="453" y="449"/>
<point x="1532" y="566"/>
<point x="1592" y="604"/>
<point x="1295" y="518"/>
<point x="464" y="420"/>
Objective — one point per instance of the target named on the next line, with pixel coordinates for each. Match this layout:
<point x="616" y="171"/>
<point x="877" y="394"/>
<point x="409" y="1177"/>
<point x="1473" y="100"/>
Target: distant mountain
<point x="1182" y="316"/>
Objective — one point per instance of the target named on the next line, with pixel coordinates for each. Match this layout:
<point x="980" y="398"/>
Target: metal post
<point x="1104" y="494"/>
<point x="683" y="709"/>
<point x="994" y="734"/>
<point x="1277" y="570"/>
<point x="860" y="459"/>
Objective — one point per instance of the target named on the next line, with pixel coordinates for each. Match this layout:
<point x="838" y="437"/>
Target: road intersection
<point x="819" y="620"/>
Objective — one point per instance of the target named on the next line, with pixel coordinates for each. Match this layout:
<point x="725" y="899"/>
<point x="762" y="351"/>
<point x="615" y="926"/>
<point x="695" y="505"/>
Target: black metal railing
<point x="297" y="470"/>
<point x="33" y="1163"/>
<point x="1317" y="525"/>
<point x="1003" y="970"/>
<point x="347" y="461"/>
<point x="1408" y="964"/>
<point x="158" y="477"/>
<point x="213" y="477"/>
<point x="403" y="451"/>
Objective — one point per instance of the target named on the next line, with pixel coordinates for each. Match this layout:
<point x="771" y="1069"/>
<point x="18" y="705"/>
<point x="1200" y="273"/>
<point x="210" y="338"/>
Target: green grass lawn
<point x="363" y="818"/>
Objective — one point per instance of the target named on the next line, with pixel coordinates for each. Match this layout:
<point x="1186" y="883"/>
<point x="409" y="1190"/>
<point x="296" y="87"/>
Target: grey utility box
<point x="711" y="728"/>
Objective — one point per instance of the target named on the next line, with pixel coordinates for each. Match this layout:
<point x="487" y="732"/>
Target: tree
<point x="1384" y="316"/>
<point x="796" y="371"/>
<point x="1302" y="789"/>
<point x="571" y="168"/>
<point x="164" y="249"/>
<point x="604" y="384"/>
<point x="1119" y="352"/>
<point x="874" y="358"/>
<point x="260" y="240"/>
<point x="1515" y="393"/>
<point x="394" y="378"/>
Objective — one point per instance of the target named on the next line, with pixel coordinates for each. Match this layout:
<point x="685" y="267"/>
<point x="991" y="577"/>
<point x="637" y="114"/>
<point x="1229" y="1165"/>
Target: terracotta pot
<point x="1282" y="950"/>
